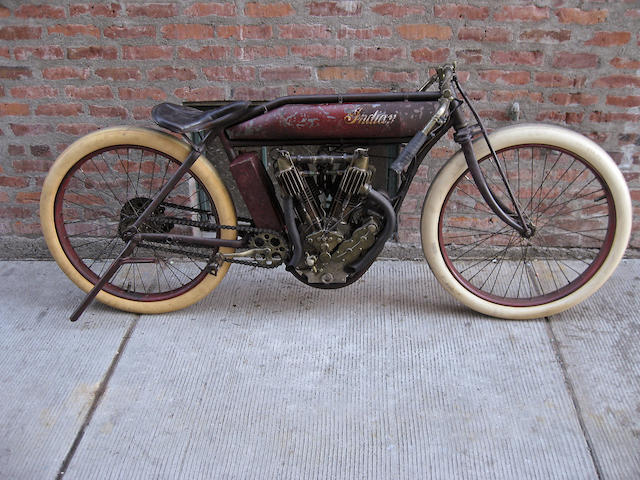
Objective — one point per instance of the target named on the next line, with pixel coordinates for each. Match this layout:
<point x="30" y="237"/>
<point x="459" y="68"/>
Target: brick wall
<point x="68" y="68"/>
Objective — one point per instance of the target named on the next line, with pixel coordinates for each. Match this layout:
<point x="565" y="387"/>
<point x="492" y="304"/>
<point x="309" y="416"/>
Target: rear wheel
<point x="95" y="191"/>
<point x="572" y="194"/>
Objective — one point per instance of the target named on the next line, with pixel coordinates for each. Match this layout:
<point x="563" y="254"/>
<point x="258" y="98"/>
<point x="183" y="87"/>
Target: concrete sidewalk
<point x="270" y="379"/>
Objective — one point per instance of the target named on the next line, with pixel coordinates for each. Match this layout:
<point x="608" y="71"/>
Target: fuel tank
<point x="335" y="121"/>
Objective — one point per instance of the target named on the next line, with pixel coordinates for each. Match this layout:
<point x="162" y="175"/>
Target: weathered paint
<point x="336" y="121"/>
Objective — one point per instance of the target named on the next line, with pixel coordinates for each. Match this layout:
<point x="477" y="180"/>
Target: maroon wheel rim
<point x="79" y="264"/>
<point x="572" y="286"/>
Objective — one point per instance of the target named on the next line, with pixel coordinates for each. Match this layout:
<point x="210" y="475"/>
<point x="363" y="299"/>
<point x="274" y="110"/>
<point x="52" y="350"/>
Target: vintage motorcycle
<point x="523" y="223"/>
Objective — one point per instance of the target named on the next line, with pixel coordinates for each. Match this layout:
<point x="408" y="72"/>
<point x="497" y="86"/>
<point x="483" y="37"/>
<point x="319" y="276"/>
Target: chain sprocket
<point x="273" y="243"/>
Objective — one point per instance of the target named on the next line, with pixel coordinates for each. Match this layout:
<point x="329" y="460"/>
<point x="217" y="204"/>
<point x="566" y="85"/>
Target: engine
<point x="336" y="223"/>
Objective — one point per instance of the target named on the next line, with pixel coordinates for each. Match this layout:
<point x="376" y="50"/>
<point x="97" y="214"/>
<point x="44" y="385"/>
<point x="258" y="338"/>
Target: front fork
<point x="517" y="220"/>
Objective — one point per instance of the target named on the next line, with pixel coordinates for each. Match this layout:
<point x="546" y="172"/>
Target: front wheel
<point x="97" y="188"/>
<point x="571" y="193"/>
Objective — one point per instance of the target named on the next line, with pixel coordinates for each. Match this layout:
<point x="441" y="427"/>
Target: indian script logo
<point x="376" y="118"/>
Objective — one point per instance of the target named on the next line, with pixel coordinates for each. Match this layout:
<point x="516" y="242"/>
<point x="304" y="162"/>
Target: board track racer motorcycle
<point x="523" y="223"/>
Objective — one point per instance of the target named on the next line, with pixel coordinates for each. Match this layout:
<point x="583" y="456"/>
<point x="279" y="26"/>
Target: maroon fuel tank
<point x="334" y="121"/>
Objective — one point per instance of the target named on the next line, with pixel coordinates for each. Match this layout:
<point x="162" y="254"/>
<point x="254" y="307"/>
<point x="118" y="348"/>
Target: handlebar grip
<point x="409" y="152"/>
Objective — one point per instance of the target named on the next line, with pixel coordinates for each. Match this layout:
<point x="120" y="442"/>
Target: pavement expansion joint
<point x="98" y="396"/>
<point x="555" y="344"/>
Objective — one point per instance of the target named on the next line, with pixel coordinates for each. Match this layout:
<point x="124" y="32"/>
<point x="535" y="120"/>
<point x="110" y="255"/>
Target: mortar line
<point x="555" y="345"/>
<point x="102" y="387"/>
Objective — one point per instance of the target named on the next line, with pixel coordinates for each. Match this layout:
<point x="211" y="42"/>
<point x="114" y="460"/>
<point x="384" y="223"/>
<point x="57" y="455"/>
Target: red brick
<point x="546" y="36"/>
<point x="268" y="10"/>
<point x="260" y="51"/>
<point x="15" y="151"/>
<point x="251" y="93"/>
<point x="463" y="12"/>
<point x="4" y="52"/>
<point x="13" y="182"/>
<point x="422" y="31"/>
<point x="502" y="77"/>
<point x="563" y="117"/>
<point x="95" y="9"/>
<point x="21" y="228"/>
<point x="377" y="54"/>
<point x="628" y="102"/>
<point x="20" y="32"/>
<point x="609" y="39"/>
<point x="141" y="94"/>
<point x="495" y="115"/>
<point x="304" y="31"/>
<point x="89" y="93"/>
<point x="484" y="34"/>
<point x="517" y="58"/>
<point x="233" y="73"/>
<point x="575" y="60"/>
<point x="573" y="99"/>
<point x="40" y="151"/>
<point x="286" y="73"/>
<point x="351" y="33"/>
<point x="211" y="9"/>
<point x="327" y="51"/>
<point x="147" y="52"/>
<point x="51" y="52"/>
<point x="470" y="56"/>
<point x="303" y="90"/>
<point x="107" y="112"/>
<point x="604" y="117"/>
<point x="395" y="10"/>
<point x="39" y="11"/>
<point x="28" y="197"/>
<point x="132" y="31"/>
<point x="119" y="74"/>
<point x="4" y="197"/>
<point x="522" y="13"/>
<point x="212" y="52"/>
<point x="167" y="72"/>
<point x="395" y="77"/>
<point x="242" y="32"/>
<point x="8" y="109"/>
<point x="341" y="73"/>
<point x="61" y="73"/>
<point x="200" y="94"/>
<point x="92" y="52"/>
<point x="16" y="212"/>
<point x="437" y="55"/>
<point x="20" y="130"/>
<point x="335" y="9"/>
<point x="618" y="81"/>
<point x="142" y="113"/>
<point x="625" y="63"/>
<point x="77" y="129"/>
<point x="187" y="31"/>
<point x="40" y="91"/>
<point x="581" y="17"/>
<point x="59" y="109"/>
<point x="547" y="79"/>
<point x="507" y="96"/>
<point x="153" y="10"/>
<point x="4" y="12"/>
<point x="74" y="30"/>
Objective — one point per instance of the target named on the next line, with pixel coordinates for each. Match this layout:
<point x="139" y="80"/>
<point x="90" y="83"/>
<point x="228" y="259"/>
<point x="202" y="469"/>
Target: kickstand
<point x="103" y="280"/>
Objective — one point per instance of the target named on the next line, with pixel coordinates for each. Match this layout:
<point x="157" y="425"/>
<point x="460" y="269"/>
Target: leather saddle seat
<point x="183" y="119"/>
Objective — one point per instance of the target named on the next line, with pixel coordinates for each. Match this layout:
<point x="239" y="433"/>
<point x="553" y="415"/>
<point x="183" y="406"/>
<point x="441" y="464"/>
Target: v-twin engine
<point x="336" y="223"/>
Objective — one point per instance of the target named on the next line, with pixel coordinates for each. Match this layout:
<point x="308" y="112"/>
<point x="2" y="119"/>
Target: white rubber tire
<point x="519" y="135"/>
<point x="147" y="138"/>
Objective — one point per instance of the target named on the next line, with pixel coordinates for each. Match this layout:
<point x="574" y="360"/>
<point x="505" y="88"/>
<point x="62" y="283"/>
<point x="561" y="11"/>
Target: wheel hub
<point x="130" y="212"/>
